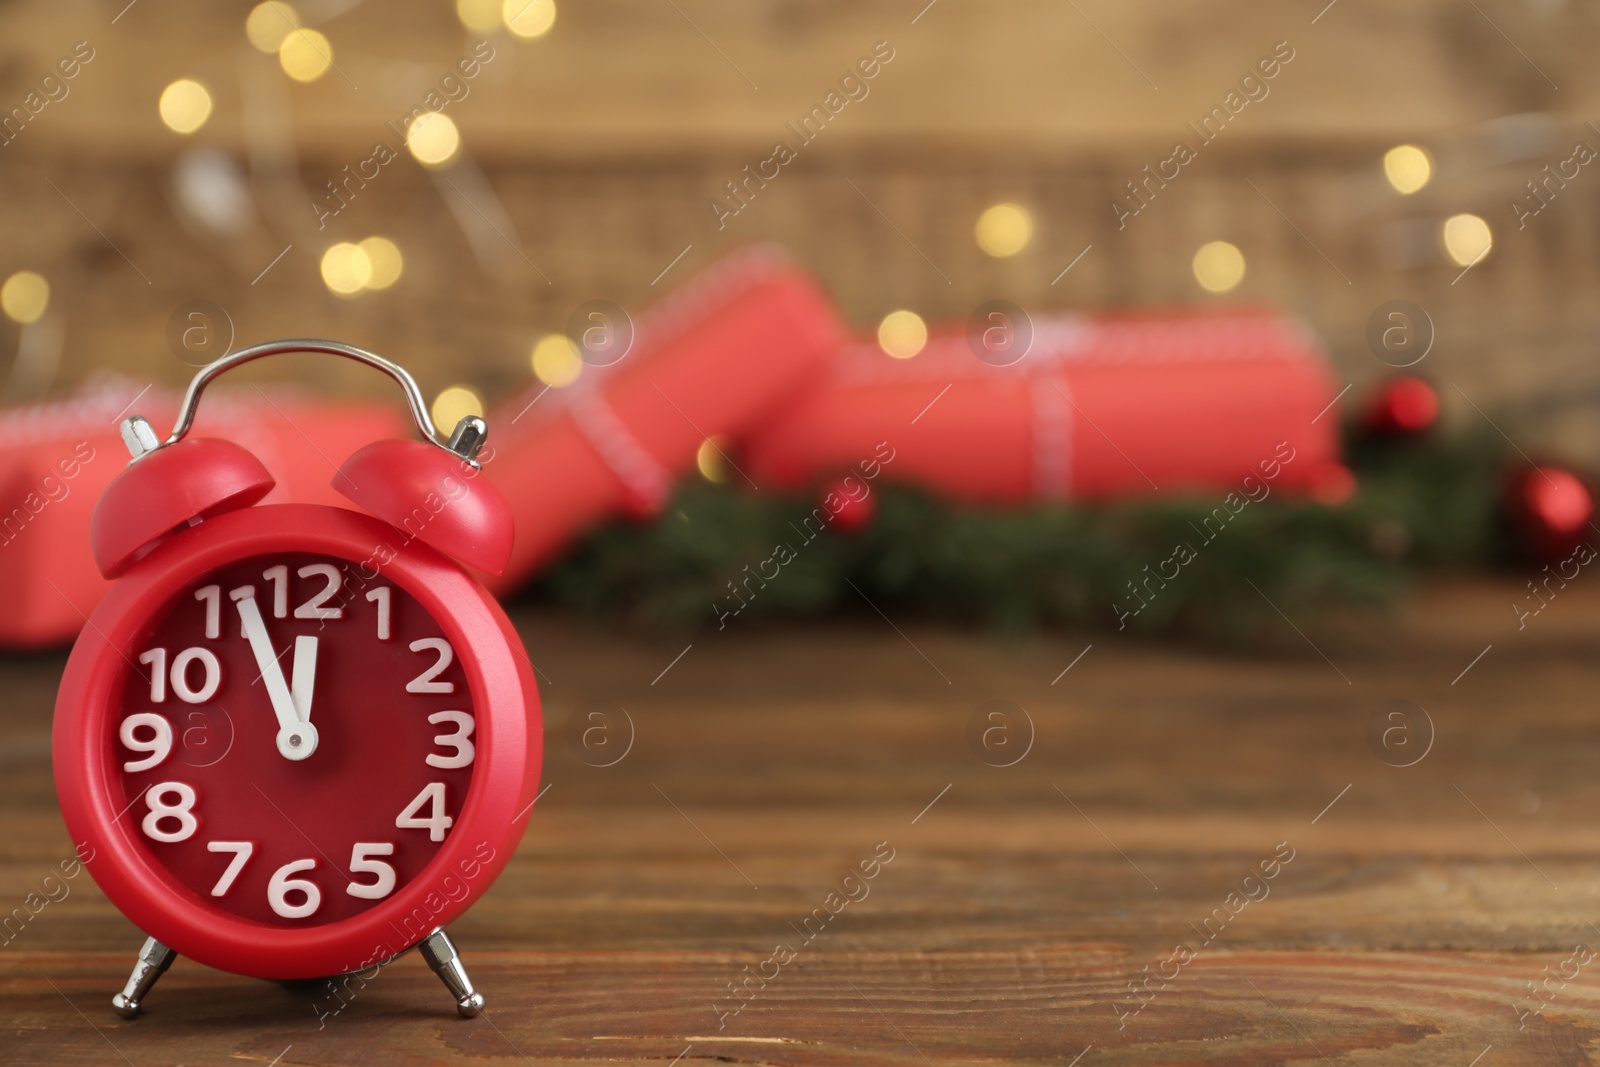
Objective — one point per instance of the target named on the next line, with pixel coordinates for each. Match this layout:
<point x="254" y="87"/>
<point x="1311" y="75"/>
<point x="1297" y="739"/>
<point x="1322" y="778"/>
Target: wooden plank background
<point x="1419" y="904"/>
<point x="605" y="142"/>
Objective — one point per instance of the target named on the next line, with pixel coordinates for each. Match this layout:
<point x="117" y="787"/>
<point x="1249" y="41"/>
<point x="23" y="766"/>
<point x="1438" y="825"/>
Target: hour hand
<point x="297" y="738"/>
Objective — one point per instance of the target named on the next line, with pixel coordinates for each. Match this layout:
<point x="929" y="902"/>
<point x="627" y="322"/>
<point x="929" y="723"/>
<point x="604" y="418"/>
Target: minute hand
<point x="296" y="739"/>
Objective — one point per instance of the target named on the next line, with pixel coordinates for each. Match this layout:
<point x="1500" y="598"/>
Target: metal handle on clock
<point x="465" y="441"/>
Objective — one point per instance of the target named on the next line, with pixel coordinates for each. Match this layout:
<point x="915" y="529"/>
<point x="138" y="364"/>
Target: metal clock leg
<point x="154" y="959"/>
<point x="440" y="952"/>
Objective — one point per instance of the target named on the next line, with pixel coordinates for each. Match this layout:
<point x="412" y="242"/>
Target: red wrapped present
<point x="1098" y="407"/>
<point x="57" y="457"/>
<point x="716" y="359"/>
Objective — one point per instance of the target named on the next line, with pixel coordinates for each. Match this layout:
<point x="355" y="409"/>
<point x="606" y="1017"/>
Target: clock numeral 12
<point x="313" y="608"/>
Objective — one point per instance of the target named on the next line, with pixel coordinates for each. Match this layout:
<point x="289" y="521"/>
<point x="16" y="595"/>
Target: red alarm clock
<point x="299" y="739"/>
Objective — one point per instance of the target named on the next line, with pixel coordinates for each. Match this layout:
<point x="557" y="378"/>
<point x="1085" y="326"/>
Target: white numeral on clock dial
<point x="361" y="862"/>
<point x="157" y="747"/>
<point x="383" y="598"/>
<point x="281" y="885"/>
<point x="424" y="682"/>
<point x="436" y="822"/>
<point x="279" y="577"/>
<point x="313" y="608"/>
<point x="460" y="740"/>
<point x="156" y="660"/>
<point x="242" y="851"/>
<point x="210" y="668"/>
<point x="181" y="811"/>
<point x="212" y="595"/>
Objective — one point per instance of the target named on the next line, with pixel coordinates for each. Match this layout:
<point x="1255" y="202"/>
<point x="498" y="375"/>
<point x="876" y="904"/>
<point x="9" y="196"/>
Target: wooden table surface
<point x="1021" y="901"/>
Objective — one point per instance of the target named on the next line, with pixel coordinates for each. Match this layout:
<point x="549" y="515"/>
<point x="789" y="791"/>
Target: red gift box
<point x="715" y="359"/>
<point x="1099" y="407"/>
<point x="57" y="458"/>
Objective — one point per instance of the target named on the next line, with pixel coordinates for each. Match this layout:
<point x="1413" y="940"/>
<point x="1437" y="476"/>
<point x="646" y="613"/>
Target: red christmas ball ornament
<point x="1403" y="406"/>
<point x="1332" y="484"/>
<point x="850" y="502"/>
<point x="1552" y="509"/>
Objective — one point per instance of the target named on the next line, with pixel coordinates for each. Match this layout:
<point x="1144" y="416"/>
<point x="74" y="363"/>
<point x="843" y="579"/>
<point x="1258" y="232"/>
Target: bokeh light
<point x="1004" y="230"/>
<point x="305" y="55"/>
<point x="902" y="334"/>
<point x="24" y="296"/>
<point x="528" y="19"/>
<point x="433" y="139"/>
<point x="346" y="269"/>
<point x="479" y="16"/>
<point x="453" y="404"/>
<point x="185" y="105"/>
<point x="713" y="468"/>
<point x="1466" y="238"/>
<point x="383" y="257"/>
<point x="556" y="360"/>
<point x="1408" y="168"/>
<point x="1560" y="499"/>
<point x="269" y="23"/>
<point x="1218" y="266"/>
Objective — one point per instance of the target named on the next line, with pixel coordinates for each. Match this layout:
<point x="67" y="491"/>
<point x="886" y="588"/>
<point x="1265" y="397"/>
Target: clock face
<point x="294" y="741"/>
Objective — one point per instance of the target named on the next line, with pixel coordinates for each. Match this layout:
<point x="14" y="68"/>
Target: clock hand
<point x="303" y="675"/>
<point x="297" y="739"/>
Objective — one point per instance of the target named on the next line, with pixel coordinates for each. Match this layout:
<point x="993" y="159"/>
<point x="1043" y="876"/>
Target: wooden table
<point x="1020" y="902"/>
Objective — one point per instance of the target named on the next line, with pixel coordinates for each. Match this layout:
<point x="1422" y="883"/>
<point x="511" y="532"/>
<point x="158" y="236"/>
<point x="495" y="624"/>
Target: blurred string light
<point x="374" y="263"/>
<point x="713" y="468"/>
<point x="212" y="191"/>
<point x="269" y="23"/>
<point x="24" y="296"/>
<point x="1004" y="230"/>
<point x="433" y="139"/>
<point x="529" y="19"/>
<point x="305" y="55"/>
<point x="1218" y="266"/>
<point x="453" y="404"/>
<point x="902" y="334"/>
<point x="479" y="16"/>
<point x="185" y="105"/>
<point x="1467" y="239"/>
<point x="556" y="361"/>
<point x="383" y="257"/>
<point x="1408" y="168"/>
<point x="346" y="269"/>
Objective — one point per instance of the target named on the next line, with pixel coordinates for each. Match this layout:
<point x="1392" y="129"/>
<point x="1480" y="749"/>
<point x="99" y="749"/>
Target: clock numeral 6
<point x="161" y="809"/>
<point x="157" y="748"/>
<point x="211" y="671"/>
<point x="436" y="822"/>
<point x="281" y="885"/>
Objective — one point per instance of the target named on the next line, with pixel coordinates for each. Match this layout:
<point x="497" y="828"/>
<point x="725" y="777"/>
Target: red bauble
<point x="1402" y="406"/>
<point x="1552" y="510"/>
<point x="1332" y="483"/>
<point x="852" y="509"/>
